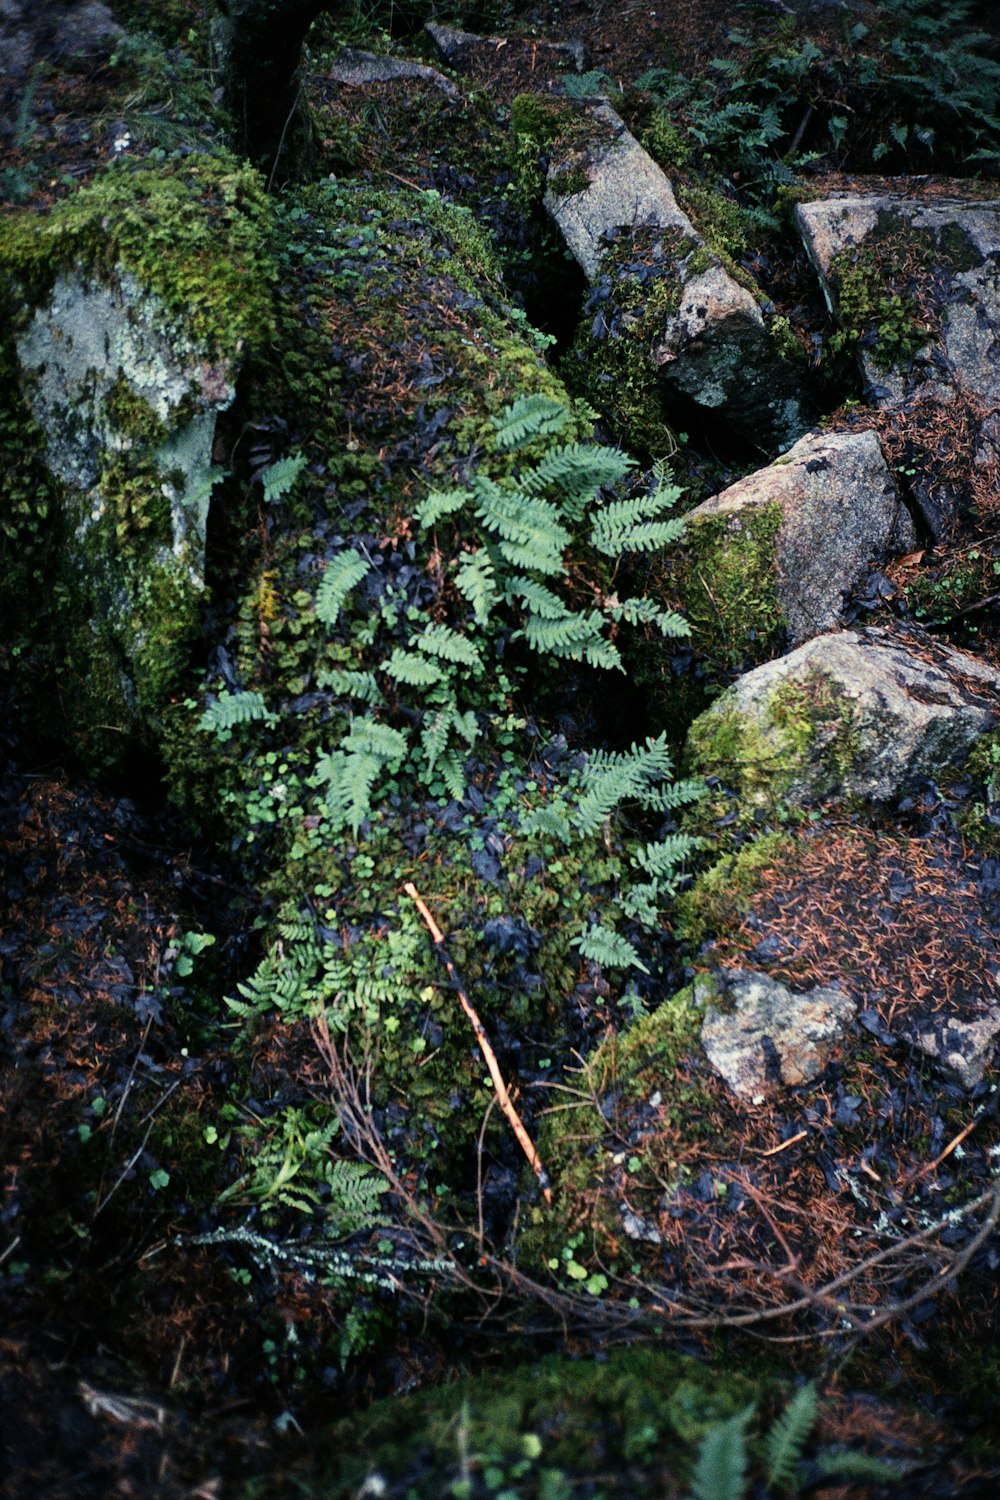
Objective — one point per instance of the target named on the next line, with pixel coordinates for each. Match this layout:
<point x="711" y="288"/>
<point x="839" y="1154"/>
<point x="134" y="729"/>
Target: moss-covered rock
<point x="857" y="715"/>
<point x="132" y="306"/>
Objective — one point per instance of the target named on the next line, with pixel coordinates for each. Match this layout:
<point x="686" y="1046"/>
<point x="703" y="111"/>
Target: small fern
<point x="604" y="946"/>
<point x="529" y="417"/>
<point x="229" y="710"/>
<point x="278" y="478"/>
<point x="342" y="575"/>
<point x="720" y="1471"/>
<point x="786" y="1440"/>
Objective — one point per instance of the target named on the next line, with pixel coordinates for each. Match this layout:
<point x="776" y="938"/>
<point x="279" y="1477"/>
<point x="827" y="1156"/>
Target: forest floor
<point x="115" y="1377"/>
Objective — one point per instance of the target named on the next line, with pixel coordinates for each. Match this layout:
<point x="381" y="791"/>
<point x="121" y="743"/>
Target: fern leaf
<point x="527" y="418"/>
<point x="642" y="902"/>
<point x="720" y="1471"/>
<point x="576" y="636"/>
<point x="347" y="683"/>
<point x="342" y="575"/>
<point x="532" y="535"/>
<point x="230" y="709"/>
<point x="279" y="477"/>
<point x="854" y="1465"/>
<point x="434" y="736"/>
<point x="349" y="780"/>
<point x="648" y="612"/>
<point x="602" y="945"/>
<point x="548" y="820"/>
<point x="452" y="773"/>
<point x="676" y="794"/>
<point x="579" y="471"/>
<point x="448" y="645"/>
<point x="367" y="736"/>
<point x="440" y="503"/>
<point x="626" y="526"/>
<point x="475" y="580"/>
<point x="411" y="668"/>
<point x="541" y="601"/>
<point x="662" y="858"/>
<point x="355" y="1194"/>
<point x="784" y="1444"/>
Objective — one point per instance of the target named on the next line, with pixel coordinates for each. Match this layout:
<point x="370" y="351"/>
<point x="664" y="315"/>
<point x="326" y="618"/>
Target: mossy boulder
<point x="703" y="334"/>
<point x="860" y="714"/>
<point x="132" y="306"/>
<point x="776" y="555"/>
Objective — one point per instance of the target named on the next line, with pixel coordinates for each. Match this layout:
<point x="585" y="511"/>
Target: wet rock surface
<point x="841" y="516"/>
<point x="760" y="1036"/>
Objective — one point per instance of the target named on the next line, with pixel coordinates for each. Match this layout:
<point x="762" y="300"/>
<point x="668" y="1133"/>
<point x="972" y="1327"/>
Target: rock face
<point x="963" y="1048"/>
<point x="457" y="47"/>
<point x="760" y="1037"/>
<point x="836" y="514"/>
<point x="915" y="286"/>
<point x="360" y="68"/>
<point x="109" y="373"/>
<point x="705" y="335"/>
<point x="856" y="714"/>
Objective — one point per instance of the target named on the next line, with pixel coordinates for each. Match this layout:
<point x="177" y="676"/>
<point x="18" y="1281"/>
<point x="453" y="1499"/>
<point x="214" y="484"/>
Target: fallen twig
<point x="503" y="1095"/>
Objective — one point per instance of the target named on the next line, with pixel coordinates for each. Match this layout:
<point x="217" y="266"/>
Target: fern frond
<point x="448" y="645"/>
<point x="347" y="683"/>
<point x="440" y="503"/>
<point x="579" y="470"/>
<point x="675" y="794"/>
<point x="348" y="780"/>
<point x="411" y="668"/>
<point x="648" y="612"/>
<point x="642" y="902"/>
<point x="527" y="418"/>
<point x="661" y="859"/>
<point x="602" y="945"/>
<point x="452" y="772"/>
<point x="279" y="477"/>
<point x="475" y="579"/>
<point x="548" y="820"/>
<point x="342" y="575"/>
<point x="367" y="736"/>
<point x="720" y="1471"/>
<point x="786" y="1440"/>
<point x="355" y="1194"/>
<point x="434" y="736"/>
<point x="230" y="709"/>
<point x="541" y="601"/>
<point x="633" y="525"/>
<point x="531" y="533"/>
<point x="612" y="777"/>
<point x="576" y="636"/>
<point x="854" y="1465"/>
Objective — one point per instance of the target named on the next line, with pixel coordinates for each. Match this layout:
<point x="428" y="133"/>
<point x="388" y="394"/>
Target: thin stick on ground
<point x="503" y="1095"/>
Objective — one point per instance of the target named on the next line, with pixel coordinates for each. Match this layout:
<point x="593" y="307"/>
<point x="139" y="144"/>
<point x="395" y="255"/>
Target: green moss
<point x="552" y="1428"/>
<point x="803" y="747"/>
<point x="886" y="291"/>
<point x="728" y="585"/>
<point x="197" y="239"/>
<point x="721" y="895"/>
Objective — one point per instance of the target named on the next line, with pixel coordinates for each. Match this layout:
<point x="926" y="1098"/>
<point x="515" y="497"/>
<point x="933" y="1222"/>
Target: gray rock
<point x="357" y="68"/>
<point x="87" y="31"/>
<point x="858" y="714"/>
<point x="456" y="46"/>
<point x="93" y="341"/>
<point x="760" y="1036"/>
<point x="712" y="345"/>
<point x="957" y="245"/>
<point x="963" y="1048"/>
<point x="638" y="1228"/>
<point x="841" y="515"/>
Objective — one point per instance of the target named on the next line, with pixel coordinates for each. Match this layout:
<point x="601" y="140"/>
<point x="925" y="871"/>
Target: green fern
<point x="602" y="945"/>
<point x="475" y="579"/>
<point x="531" y="533"/>
<point x="278" y="478"/>
<point x="349" y="683"/>
<point x="229" y="710"/>
<point x="342" y="575"/>
<point x="786" y="1440"/>
<point x="412" y="668"/>
<point x="440" y="503"/>
<point x="575" y="636"/>
<point x="529" y="417"/>
<point x="356" y="1191"/>
<point x="661" y="859"/>
<point x="450" y="645"/>
<point x="720" y="1471"/>
<point x="855" y="1465"/>
<point x="648" y="612"/>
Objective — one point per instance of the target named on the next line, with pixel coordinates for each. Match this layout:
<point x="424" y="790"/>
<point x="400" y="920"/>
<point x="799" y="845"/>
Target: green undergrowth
<point x="887" y="288"/>
<point x="551" y="1431"/>
<point x="720" y="896"/>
